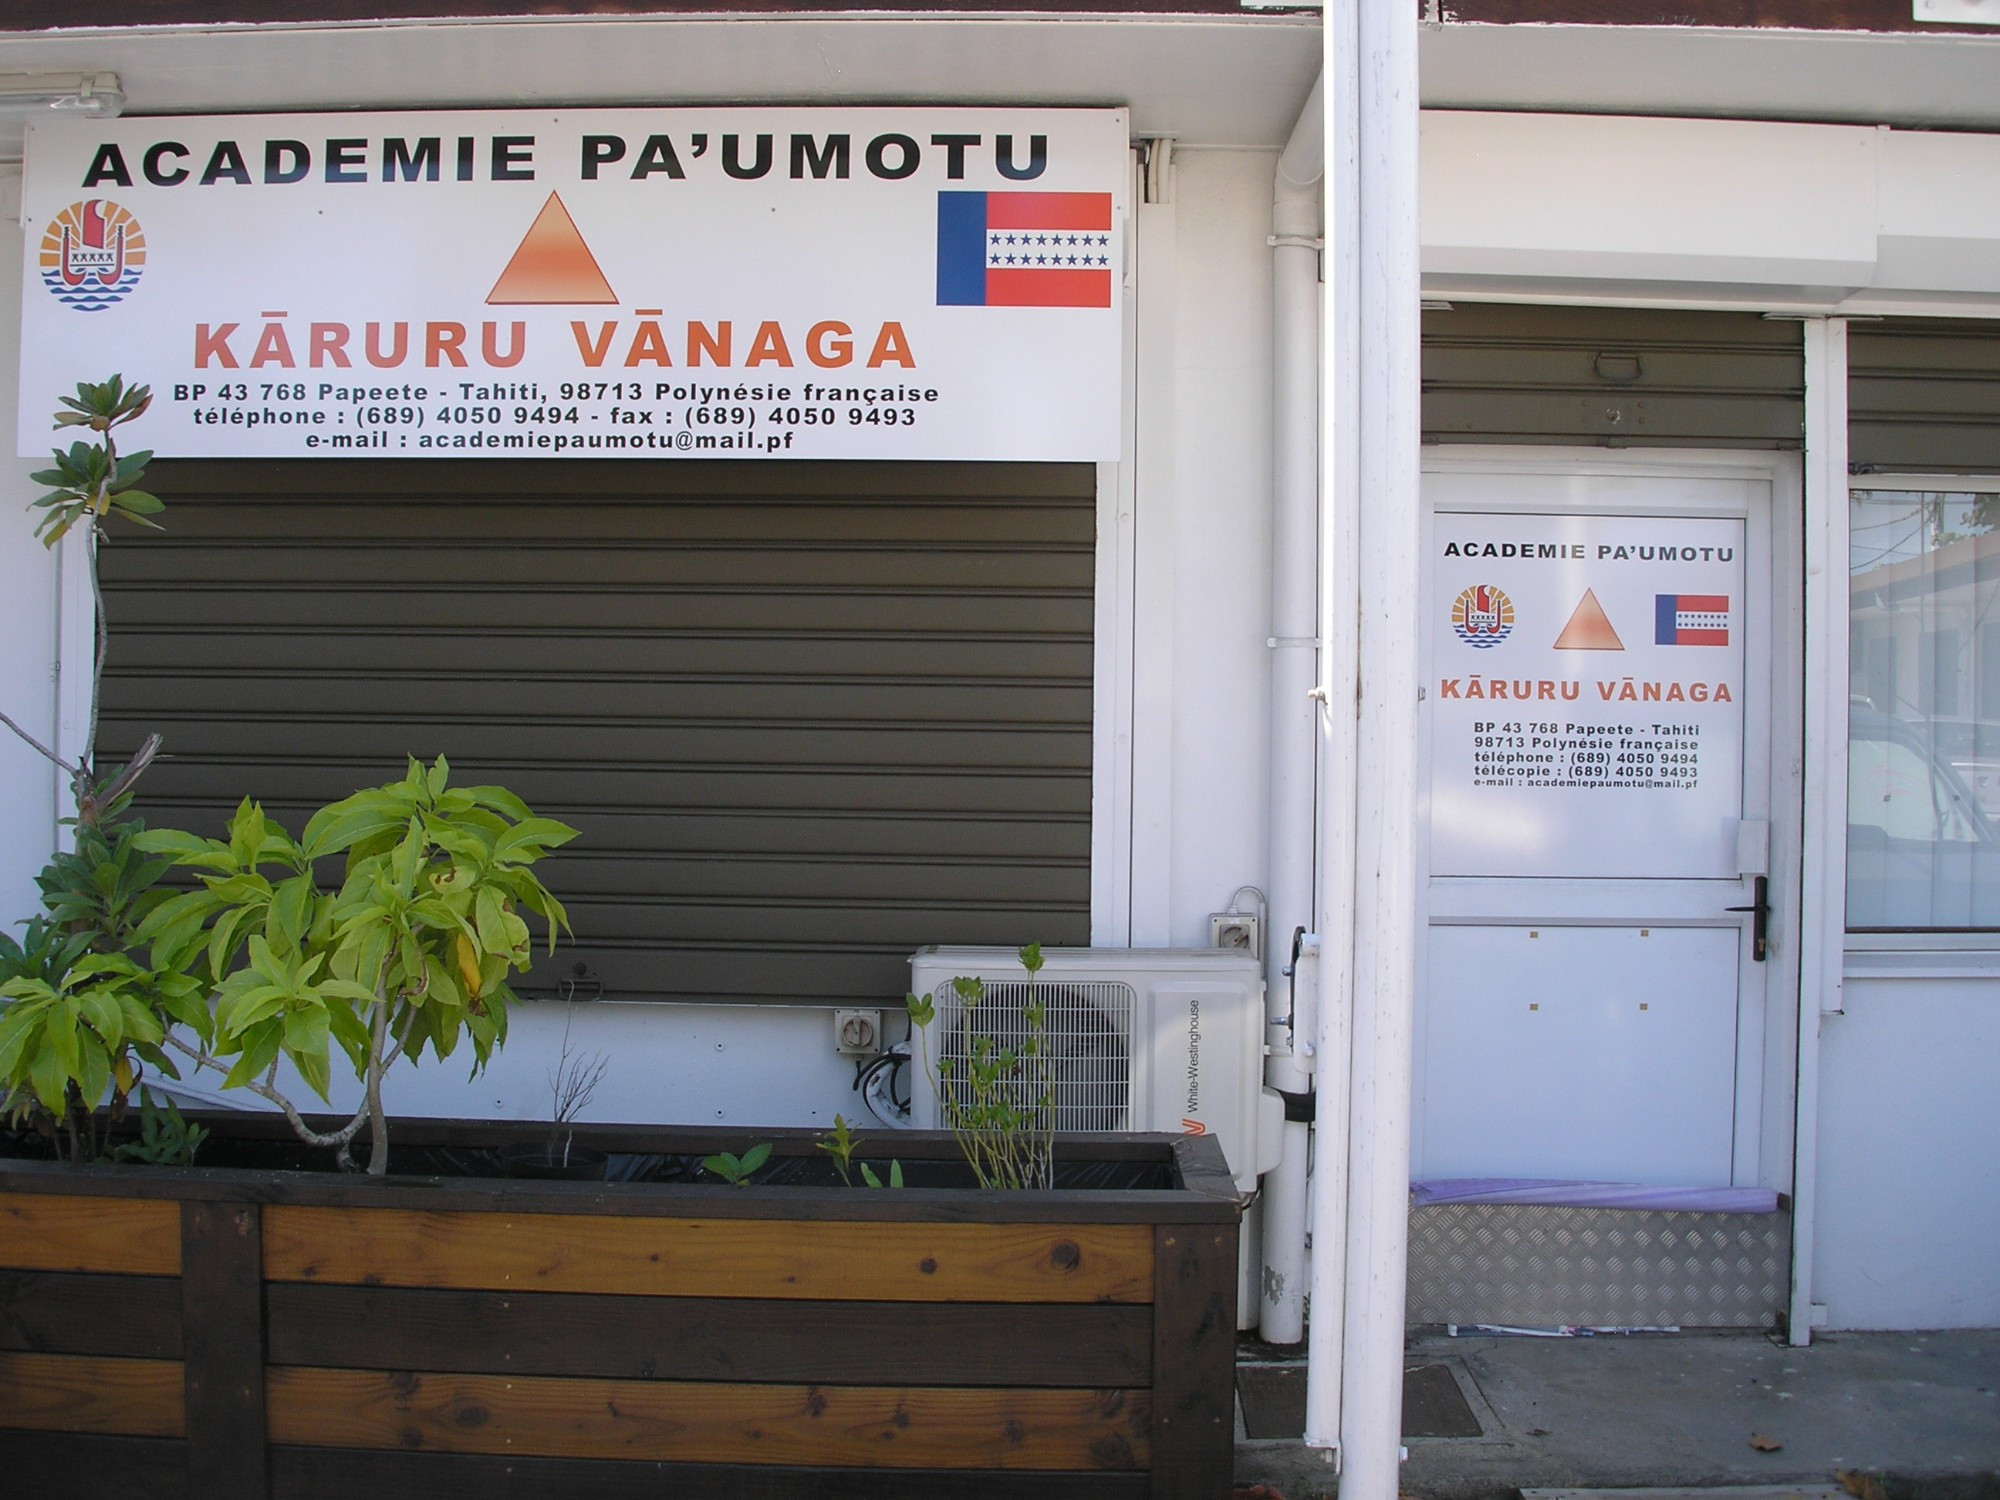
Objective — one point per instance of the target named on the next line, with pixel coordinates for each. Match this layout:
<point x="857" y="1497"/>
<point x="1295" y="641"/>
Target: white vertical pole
<point x="1385" y="906"/>
<point x="1376" y="391"/>
<point x="1296" y="214"/>
<point x="1339" y="629"/>
<point x="1153" y="601"/>
<point x="1823" y="883"/>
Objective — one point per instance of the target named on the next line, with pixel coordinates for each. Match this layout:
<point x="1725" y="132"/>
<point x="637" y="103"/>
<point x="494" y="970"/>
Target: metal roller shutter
<point x="1924" y="396"/>
<point x="1612" y="377"/>
<point x="808" y="717"/>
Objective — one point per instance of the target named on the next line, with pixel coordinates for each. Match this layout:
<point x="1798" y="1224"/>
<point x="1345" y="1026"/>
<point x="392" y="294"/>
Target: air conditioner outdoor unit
<point x="1156" y="1039"/>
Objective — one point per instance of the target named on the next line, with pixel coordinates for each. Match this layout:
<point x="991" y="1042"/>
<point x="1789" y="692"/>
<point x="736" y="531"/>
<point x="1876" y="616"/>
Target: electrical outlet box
<point x="857" y="1033"/>
<point x="1238" y="930"/>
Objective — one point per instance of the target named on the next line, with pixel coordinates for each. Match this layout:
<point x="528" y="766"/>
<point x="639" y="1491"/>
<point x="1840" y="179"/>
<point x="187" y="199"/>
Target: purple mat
<point x="1553" y="1194"/>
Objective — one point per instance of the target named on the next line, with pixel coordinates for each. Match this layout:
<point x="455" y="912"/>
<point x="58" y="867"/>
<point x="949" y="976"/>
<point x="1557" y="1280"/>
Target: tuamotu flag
<point x="1024" y="250"/>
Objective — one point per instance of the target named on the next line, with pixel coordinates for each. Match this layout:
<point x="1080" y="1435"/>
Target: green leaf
<point x="256" y="1059"/>
<point x="533" y="835"/>
<point x="352" y="1033"/>
<point x="49" y="1080"/>
<point x="493" y="933"/>
<point x="496" y="798"/>
<point x="755" y="1157"/>
<point x="14" y="1042"/>
<point x="222" y="939"/>
<point x="186" y="848"/>
<point x="59" y="1035"/>
<point x="103" y="1015"/>
<point x="353" y="820"/>
<point x="247" y="1007"/>
<point x="291" y="910"/>
<point x="140" y="1024"/>
<point x="93" y="1071"/>
<point x="182" y="998"/>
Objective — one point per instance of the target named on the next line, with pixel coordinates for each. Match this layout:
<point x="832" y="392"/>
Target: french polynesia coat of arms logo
<point x="92" y="254"/>
<point x="1482" y="616"/>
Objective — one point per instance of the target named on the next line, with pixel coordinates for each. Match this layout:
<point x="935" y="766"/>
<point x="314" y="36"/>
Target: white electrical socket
<point x="857" y="1033"/>
<point x="1240" y="930"/>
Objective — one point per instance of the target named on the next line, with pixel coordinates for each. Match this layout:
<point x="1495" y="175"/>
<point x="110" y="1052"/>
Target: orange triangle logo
<point x="1589" y="628"/>
<point x="551" y="265"/>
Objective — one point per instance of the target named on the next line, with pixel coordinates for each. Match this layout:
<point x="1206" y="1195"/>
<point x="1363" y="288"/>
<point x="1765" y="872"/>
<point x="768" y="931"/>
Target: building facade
<point x="1705" y="922"/>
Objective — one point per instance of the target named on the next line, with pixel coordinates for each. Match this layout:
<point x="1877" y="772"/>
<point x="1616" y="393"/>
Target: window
<point x="1923" y="731"/>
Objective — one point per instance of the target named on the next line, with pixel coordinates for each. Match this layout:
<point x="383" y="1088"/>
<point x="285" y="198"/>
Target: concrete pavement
<point x="1921" y="1411"/>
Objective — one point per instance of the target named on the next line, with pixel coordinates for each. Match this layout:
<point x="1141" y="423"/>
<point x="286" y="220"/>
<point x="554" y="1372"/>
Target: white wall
<point x="1908" y="1221"/>
<point x="1710" y="212"/>
<point x="1202" y="612"/>
<point x="27" y="618"/>
<point x="1201" y="512"/>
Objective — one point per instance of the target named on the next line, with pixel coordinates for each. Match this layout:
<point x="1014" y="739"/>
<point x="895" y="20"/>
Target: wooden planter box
<point x="234" y="1335"/>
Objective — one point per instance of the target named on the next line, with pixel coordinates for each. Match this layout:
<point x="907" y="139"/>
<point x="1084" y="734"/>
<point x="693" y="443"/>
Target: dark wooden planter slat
<point x="222" y="1292"/>
<point x="51" y="1232"/>
<point x="677" y="1256"/>
<point x="696" y="1338"/>
<point x="84" y="1466"/>
<point x="710" y="1422"/>
<point x="344" y="1336"/>
<point x="56" y="1312"/>
<point x="92" y="1393"/>
<point x="1194" y="1355"/>
<point x="626" y="1200"/>
<point x="342" y="1474"/>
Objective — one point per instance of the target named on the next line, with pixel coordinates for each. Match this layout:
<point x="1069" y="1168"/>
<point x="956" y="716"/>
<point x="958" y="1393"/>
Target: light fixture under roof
<point x="92" y="96"/>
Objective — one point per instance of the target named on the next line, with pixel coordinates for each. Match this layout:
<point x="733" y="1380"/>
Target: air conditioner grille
<point x="1089" y="1026"/>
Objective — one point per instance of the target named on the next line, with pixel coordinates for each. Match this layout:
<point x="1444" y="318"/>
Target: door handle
<point x="1760" y="926"/>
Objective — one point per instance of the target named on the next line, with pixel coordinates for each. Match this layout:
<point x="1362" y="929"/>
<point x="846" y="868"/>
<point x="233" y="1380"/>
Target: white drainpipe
<point x="1295" y="348"/>
<point x="1354" y="1373"/>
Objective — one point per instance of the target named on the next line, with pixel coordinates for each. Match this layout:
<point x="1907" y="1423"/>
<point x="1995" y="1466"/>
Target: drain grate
<point x="1274" y="1402"/>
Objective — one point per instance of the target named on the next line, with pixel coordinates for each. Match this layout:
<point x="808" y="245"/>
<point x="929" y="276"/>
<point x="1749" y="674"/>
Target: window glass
<point x="1923" y="767"/>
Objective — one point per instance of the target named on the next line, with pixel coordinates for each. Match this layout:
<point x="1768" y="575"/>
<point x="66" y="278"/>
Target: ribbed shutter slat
<point x="808" y="717"/>
<point x="1611" y="377"/>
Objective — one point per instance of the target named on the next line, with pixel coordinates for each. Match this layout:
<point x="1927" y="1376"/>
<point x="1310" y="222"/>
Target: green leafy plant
<point x="68" y="1037"/>
<point x="737" y="1170"/>
<point x="999" y="1101"/>
<point x="840" y="1143"/>
<point x="411" y="951"/>
<point x="72" y="986"/>
<point x="90" y="483"/>
<point x="71" y="1027"/>
<point x="166" y="1139"/>
<point x="106" y="886"/>
<point x="895" y="1175"/>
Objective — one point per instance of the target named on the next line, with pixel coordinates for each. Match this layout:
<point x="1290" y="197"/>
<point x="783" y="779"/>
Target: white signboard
<point x="702" y="283"/>
<point x="1587" y="696"/>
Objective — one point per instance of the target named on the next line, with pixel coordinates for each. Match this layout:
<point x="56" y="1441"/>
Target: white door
<point x="1600" y="692"/>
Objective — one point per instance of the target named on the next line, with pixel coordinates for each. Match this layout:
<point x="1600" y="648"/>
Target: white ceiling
<point x="1946" y="80"/>
<point x="1208" y="80"/>
<point x="1227" y="81"/>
